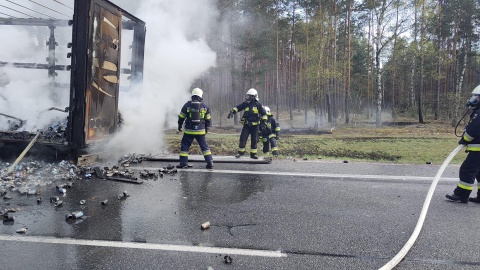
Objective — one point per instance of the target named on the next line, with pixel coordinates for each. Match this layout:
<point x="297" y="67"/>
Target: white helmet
<point x="251" y="95"/>
<point x="474" y="101"/>
<point x="476" y="91"/>
<point x="267" y="109"/>
<point x="197" y="92"/>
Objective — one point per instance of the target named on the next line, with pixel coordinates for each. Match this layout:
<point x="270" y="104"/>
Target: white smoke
<point x="27" y="93"/>
<point x="176" y="53"/>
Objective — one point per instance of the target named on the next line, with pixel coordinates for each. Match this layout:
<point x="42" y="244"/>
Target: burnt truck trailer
<point x="92" y="115"/>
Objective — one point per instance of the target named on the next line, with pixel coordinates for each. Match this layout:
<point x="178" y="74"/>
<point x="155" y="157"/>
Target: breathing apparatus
<point x="197" y="96"/>
<point x="472" y="104"/>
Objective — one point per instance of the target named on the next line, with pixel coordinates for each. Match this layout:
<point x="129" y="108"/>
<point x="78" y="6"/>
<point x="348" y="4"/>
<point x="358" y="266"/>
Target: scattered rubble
<point x="32" y="178"/>
<point x="22" y="230"/>
<point x="205" y="225"/>
<point x="227" y="259"/>
<point x="74" y="215"/>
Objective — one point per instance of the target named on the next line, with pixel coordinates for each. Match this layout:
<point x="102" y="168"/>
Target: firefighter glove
<point x="230" y="115"/>
<point x="462" y="141"/>
<point x="276" y="137"/>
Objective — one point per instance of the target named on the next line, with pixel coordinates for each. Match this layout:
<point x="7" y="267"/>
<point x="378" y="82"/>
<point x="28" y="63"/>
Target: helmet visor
<point x="473" y="101"/>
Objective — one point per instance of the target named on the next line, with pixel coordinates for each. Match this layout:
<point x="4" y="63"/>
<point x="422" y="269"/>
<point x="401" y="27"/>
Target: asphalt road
<point x="285" y="215"/>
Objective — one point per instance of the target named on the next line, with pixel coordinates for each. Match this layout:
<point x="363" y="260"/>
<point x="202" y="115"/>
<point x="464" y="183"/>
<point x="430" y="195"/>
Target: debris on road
<point x="21" y="230"/>
<point x="123" y="195"/>
<point x="205" y="225"/>
<point x="8" y="217"/>
<point x="227" y="259"/>
<point x="74" y="215"/>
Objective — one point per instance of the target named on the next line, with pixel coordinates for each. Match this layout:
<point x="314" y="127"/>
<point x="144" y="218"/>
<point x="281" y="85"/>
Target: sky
<point x="176" y="54"/>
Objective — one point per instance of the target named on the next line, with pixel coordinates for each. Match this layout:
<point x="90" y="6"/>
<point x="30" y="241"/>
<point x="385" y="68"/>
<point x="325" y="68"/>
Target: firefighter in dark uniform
<point x="470" y="168"/>
<point x="197" y="118"/>
<point x="269" y="134"/>
<point x="252" y="118"/>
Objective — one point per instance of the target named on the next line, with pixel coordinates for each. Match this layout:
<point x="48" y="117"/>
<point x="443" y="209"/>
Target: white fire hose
<point x="403" y="252"/>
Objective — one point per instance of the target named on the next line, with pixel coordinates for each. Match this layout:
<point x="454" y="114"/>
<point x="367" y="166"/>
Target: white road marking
<point x="319" y="175"/>
<point x="147" y="246"/>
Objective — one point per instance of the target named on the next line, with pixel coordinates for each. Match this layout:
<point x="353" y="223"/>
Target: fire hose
<point x="403" y="252"/>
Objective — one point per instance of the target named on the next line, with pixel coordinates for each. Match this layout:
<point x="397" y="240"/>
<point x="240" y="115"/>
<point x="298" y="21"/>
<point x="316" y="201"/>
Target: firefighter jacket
<point x="471" y="135"/>
<point x="197" y="120"/>
<point x="254" y="112"/>
<point x="272" y="127"/>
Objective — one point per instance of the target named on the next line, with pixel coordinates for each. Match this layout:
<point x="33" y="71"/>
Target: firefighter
<point x="470" y="168"/>
<point x="197" y="118"/>
<point x="252" y="118"/>
<point x="269" y="134"/>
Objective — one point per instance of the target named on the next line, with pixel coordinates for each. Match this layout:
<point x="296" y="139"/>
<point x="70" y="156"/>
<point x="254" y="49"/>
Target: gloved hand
<point x="179" y="129"/>
<point x="462" y="141"/>
<point x="230" y="115"/>
<point x="276" y="137"/>
<point x="206" y="130"/>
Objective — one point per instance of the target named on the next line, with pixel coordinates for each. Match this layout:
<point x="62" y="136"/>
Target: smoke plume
<point x="176" y="53"/>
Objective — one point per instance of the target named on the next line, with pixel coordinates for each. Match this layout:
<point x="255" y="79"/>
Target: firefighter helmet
<point x="475" y="99"/>
<point x="476" y="91"/>
<point x="267" y="110"/>
<point x="197" y="92"/>
<point x="251" y="95"/>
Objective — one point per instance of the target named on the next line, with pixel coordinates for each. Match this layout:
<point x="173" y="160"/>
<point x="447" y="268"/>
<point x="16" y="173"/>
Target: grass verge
<point x="416" y="144"/>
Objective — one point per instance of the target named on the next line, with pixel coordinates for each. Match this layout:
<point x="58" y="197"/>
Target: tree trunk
<point x="349" y="57"/>
<point x="421" y="88"/>
<point x="439" y="35"/>
<point x="306" y="68"/>
<point x="414" y="60"/>
<point x="278" y="77"/>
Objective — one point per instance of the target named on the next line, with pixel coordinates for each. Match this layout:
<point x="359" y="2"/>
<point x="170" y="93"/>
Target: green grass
<point x="415" y="144"/>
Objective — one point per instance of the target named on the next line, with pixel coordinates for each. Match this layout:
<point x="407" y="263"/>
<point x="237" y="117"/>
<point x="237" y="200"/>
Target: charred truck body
<point x="95" y="72"/>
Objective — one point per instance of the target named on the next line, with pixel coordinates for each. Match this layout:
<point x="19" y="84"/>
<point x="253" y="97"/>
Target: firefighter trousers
<point x="252" y="131"/>
<point x="469" y="170"/>
<point x="187" y="141"/>
<point x="269" y="144"/>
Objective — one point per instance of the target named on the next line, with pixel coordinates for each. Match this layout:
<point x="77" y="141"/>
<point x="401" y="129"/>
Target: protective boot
<point x="457" y="198"/>
<point x="239" y="154"/>
<point x="209" y="165"/>
<point x="475" y="200"/>
<point x="254" y="156"/>
<point x="182" y="166"/>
